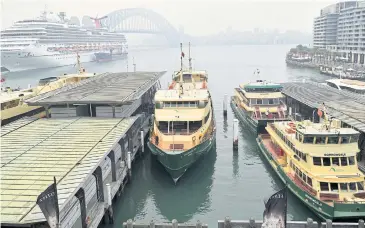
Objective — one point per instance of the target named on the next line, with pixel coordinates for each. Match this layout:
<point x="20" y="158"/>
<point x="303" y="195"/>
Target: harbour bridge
<point x="139" y="20"/>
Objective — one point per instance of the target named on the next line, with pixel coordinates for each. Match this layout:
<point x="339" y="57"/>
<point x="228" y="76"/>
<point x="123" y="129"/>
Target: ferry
<point x="13" y="101"/>
<point x="258" y="103"/>
<point x="354" y="86"/>
<point x="318" y="163"/>
<point x="183" y="126"/>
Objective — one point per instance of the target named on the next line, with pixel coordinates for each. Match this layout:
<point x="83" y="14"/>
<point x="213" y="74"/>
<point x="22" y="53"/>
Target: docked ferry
<point x="258" y="103"/>
<point x="13" y="101"/>
<point x="353" y="86"/>
<point x="52" y="40"/>
<point x="318" y="163"/>
<point x="184" y="126"/>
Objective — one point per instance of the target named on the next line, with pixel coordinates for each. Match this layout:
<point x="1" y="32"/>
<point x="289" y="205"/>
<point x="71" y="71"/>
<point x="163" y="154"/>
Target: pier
<point x="93" y="132"/>
<point x="306" y="98"/>
<point x="251" y="223"/>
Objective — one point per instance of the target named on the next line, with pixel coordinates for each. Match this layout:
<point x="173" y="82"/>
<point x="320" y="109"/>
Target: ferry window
<point x="343" y="161"/>
<point x="320" y="140"/>
<point x="192" y="103"/>
<point x="352" y="160"/>
<point x="345" y="139"/>
<point x="179" y="104"/>
<point x="360" y="186"/>
<point x="300" y="137"/>
<point x="324" y="186"/>
<point x="297" y="136"/>
<point x="317" y="161"/>
<point x="352" y="186"/>
<point x="326" y="162"/>
<point x="309" y="181"/>
<point x="167" y="104"/>
<point x="259" y="101"/>
<point x="253" y="101"/>
<point x="304" y="177"/>
<point x="354" y="138"/>
<point x="265" y="101"/>
<point x="186" y="104"/>
<point x="308" y="139"/>
<point x="334" y="187"/>
<point x="195" y="125"/>
<point x="333" y="140"/>
<point x="173" y="104"/>
<point x="343" y="187"/>
<point x="335" y="161"/>
<point x="300" y="174"/>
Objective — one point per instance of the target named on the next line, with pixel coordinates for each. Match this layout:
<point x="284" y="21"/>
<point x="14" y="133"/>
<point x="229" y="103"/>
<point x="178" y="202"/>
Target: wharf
<point x="251" y="223"/>
<point x="93" y="132"/>
<point x="306" y="98"/>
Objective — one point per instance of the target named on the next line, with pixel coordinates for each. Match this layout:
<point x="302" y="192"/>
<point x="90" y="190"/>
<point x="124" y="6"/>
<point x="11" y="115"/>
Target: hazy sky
<point x="198" y="17"/>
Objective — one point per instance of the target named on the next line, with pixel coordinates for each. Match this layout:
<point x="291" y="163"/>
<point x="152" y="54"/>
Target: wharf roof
<point x="33" y="151"/>
<point x="108" y="88"/>
<point x="343" y="105"/>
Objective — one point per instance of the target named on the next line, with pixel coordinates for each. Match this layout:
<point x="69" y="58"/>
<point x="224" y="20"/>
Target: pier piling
<point x="109" y="210"/>
<point x="152" y="224"/>
<point x="129" y="164"/>
<point x="235" y="134"/>
<point x="142" y="141"/>
<point x="225" y="100"/>
<point x="174" y="223"/>
<point x="227" y="222"/>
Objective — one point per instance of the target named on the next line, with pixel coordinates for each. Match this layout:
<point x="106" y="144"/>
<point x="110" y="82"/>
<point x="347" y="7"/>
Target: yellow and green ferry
<point x="258" y="103"/>
<point x="318" y="163"/>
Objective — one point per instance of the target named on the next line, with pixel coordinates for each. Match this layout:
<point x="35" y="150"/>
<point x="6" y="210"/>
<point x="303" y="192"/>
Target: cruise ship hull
<point x="177" y="163"/>
<point x="340" y="212"/>
<point x="15" y="63"/>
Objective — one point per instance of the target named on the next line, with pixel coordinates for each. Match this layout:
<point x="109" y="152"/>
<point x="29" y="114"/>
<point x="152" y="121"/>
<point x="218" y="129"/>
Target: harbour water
<point x="224" y="182"/>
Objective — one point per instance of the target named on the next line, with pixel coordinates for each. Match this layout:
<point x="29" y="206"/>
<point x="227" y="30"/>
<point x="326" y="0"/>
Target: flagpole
<point x="190" y="68"/>
<point x="181" y="63"/>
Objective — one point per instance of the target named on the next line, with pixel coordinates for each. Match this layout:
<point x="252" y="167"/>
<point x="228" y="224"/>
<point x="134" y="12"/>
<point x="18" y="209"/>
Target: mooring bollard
<point x="227" y="222"/>
<point x="174" y="223"/>
<point x="129" y="223"/>
<point x="361" y="223"/>
<point x="225" y="105"/>
<point x="328" y="223"/>
<point x="235" y="134"/>
<point x="152" y="224"/>
<point x="309" y="223"/>
<point x="199" y="224"/>
<point x="252" y="222"/>
<point x="142" y="141"/>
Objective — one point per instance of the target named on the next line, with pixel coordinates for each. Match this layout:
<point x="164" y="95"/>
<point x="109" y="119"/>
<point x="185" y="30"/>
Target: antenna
<point x="190" y="68"/>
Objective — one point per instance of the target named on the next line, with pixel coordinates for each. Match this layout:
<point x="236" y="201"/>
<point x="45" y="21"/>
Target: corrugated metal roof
<point x="348" y="107"/>
<point x="33" y="151"/>
<point x="108" y="88"/>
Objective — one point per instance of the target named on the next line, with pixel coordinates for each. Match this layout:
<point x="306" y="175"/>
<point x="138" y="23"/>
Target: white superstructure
<point x="354" y="86"/>
<point x="51" y="40"/>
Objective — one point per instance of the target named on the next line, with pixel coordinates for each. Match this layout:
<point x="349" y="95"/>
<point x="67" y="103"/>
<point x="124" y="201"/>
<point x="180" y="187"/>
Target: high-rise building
<point x="351" y="33"/>
<point x="325" y="26"/>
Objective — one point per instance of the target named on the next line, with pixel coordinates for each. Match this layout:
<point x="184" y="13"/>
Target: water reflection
<point x="192" y="193"/>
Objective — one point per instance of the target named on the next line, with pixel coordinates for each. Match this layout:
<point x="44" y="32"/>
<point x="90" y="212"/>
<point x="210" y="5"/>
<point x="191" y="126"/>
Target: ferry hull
<point x="177" y="163"/>
<point x="257" y="126"/>
<point x="341" y="212"/>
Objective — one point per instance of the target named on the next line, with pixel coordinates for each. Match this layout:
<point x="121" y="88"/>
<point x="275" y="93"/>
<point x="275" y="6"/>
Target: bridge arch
<point x="146" y="21"/>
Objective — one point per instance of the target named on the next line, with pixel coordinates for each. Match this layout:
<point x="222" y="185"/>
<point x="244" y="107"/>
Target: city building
<point x="325" y="26"/>
<point x="351" y="33"/>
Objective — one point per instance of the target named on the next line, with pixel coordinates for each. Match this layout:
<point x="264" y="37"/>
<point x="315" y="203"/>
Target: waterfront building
<point x="325" y="26"/>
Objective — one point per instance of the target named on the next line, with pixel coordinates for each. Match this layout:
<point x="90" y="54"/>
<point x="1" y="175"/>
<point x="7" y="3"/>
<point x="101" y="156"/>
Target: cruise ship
<point x="52" y="40"/>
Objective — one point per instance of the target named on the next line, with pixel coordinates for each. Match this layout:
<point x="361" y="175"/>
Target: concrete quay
<point x="251" y="223"/>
